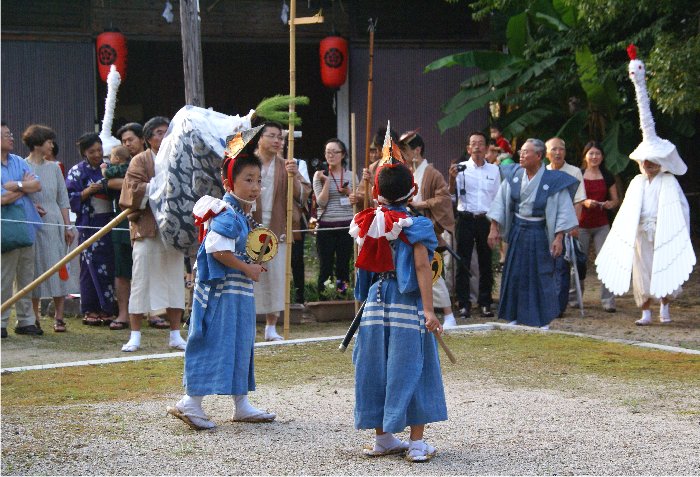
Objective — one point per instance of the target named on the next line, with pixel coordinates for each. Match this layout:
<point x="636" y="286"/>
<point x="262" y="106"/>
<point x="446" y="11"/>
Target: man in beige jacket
<point x="271" y="212"/>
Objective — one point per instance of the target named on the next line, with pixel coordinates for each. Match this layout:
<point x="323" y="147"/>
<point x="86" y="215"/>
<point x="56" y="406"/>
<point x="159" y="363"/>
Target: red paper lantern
<point x="111" y="50"/>
<point x="334" y="61"/>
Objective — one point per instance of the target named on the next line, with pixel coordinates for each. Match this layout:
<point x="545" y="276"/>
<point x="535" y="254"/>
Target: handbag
<point x="14" y="234"/>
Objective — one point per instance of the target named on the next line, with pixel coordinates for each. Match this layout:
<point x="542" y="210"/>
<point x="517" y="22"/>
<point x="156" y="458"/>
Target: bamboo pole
<point x="290" y="157"/>
<point x="353" y="148"/>
<point x="368" y="126"/>
<point x="98" y="235"/>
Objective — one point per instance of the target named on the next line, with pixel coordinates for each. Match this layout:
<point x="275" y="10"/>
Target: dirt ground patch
<point x="503" y="419"/>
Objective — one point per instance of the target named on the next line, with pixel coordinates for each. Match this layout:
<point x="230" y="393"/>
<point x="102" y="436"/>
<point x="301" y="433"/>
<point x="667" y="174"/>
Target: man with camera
<point x="473" y="185"/>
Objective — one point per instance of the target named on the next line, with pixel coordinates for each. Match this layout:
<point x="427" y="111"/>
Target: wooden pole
<point x="368" y="126"/>
<point x="192" y="52"/>
<point x="290" y="157"/>
<point x="353" y="146"/>
<point x="98" y="235"/>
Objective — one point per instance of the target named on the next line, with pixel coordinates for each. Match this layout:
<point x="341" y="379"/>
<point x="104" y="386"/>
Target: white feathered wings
<point x="673" y="252"/>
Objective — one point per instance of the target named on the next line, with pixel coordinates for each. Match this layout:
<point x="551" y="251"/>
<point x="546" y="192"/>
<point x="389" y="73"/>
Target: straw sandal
<point x="378" y="451"/>
<point x="174" y="411"/>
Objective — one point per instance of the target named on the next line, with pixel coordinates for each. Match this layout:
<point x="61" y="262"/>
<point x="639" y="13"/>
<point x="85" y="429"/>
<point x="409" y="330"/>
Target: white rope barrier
<point x="317" y="229"/>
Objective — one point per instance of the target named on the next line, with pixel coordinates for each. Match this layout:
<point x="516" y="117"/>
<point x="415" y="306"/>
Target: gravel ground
<point x="594" y="427"/>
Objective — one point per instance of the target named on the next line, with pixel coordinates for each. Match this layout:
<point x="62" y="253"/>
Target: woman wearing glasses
<point x="332" y="190"/>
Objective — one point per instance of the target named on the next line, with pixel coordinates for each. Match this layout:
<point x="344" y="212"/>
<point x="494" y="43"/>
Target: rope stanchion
<point x="98" y="235"/>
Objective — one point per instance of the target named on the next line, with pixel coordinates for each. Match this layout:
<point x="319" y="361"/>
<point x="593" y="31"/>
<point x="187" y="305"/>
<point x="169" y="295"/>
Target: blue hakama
<point x="528" y="277"/>
<point x="219" y="353"/>
<point x="398" y="381"/>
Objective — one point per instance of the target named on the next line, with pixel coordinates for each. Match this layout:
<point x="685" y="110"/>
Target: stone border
<point x="490" y="326"/>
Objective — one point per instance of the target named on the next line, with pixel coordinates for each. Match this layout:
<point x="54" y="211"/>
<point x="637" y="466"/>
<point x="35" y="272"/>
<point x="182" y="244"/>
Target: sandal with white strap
<point x="419" y="451"/>
<point x="196" y="422"/>
<point x="378" y="450"/>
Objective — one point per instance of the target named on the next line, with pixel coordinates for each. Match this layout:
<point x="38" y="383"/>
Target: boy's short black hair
<point x="395" y="182"/>
<point x="243" y="160"/>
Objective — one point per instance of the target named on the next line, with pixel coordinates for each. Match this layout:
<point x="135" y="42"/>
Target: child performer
<point x="219" y="353"/>
<point x="398" y="381"/>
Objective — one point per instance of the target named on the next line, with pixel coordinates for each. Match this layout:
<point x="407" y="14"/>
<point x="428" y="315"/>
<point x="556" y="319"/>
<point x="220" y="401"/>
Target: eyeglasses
<point x="10" y="135"/>
<point x="159" y="132"/>
<point x="480" y="143"/>
<point x="522" y="152"/>
<point x="333" y="153"/>
<point x="274" y="137"/>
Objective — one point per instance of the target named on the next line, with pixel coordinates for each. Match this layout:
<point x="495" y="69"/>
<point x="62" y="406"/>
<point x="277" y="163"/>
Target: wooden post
<point x="353" y="169"/>
<point x="192" y="52"/>
<point x="290" y="156"/>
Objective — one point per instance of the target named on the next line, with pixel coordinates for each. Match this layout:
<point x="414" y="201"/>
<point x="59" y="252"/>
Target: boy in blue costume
<point x="398" y="381"/>
<point x="219" y="353"/>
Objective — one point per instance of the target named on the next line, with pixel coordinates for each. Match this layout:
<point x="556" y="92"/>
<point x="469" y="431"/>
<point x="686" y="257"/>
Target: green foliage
<point x="276" y="108"/>
<point x="675" y="83"/>
<point x="559" y="67"/>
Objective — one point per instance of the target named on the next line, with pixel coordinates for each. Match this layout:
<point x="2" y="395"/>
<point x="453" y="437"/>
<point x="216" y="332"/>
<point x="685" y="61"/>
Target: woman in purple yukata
<point x="398" y="382"/>
<point x="88" y="199"/>
<point x="219" y="353"/>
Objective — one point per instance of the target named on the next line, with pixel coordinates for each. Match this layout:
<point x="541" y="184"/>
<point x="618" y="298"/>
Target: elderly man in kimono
<point x="532" y="211"/>
<point x="434" y="201"/>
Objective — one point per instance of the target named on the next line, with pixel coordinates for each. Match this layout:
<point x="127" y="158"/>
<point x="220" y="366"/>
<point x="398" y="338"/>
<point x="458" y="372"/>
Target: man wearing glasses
<point x="18" y="181"/>
<point x="532" y="211"/>
<point x="474" y="184"/>
<point x="271" y="212"/>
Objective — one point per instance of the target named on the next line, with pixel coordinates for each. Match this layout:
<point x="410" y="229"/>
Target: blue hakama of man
<point x="219" y="353"/>
<point x="398" y="381"/>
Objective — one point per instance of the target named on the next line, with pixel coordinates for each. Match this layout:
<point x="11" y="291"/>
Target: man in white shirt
<point x="474" y="184"/>
<point x="556" y="154"/>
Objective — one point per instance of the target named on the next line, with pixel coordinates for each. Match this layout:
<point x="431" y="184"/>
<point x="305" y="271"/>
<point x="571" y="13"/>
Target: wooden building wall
<point x="245" y="58"/>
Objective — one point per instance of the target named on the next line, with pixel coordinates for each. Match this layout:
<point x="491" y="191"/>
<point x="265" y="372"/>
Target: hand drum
<point x="261" y="245"/>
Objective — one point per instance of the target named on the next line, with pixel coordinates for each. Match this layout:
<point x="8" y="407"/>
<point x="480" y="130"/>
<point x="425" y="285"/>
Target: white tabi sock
<point x="134" y="342"/>
<point x="645" y="319"/>
<point x="271" y="333"/>
<point x="387" y="441"/>
<point x="664" y="313"/>
<point x="191" y="406"/>
<point x="243" y="406"/>
<point x="176" y="340"/>
<point x="449" y="321"/>
<point x="245" y="411"/>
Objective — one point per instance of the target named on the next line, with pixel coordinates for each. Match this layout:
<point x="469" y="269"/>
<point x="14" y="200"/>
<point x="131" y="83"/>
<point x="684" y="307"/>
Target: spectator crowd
<point x="525" y="216"/>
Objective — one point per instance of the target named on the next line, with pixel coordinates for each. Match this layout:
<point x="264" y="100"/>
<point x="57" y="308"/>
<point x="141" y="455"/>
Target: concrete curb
<point x="461" y="329"/>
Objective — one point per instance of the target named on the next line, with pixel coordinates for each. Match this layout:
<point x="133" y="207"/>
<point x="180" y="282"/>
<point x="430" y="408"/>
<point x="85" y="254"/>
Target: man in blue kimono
<point x="532" y="211"/>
